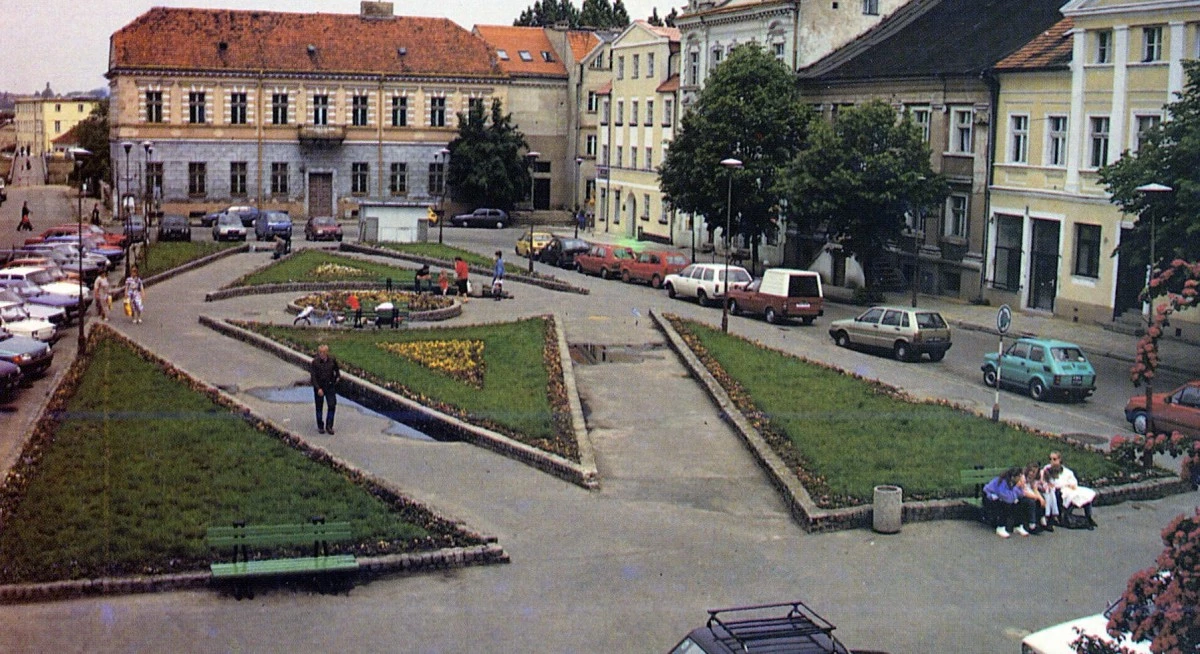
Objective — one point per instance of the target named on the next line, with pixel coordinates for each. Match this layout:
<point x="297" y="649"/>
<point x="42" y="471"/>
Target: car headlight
<point x="24" y="358"/>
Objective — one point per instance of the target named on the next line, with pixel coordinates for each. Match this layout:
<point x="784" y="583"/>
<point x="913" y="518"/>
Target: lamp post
<point x="532" y="157"/>
<point x="78" y="154"/>
<point x="444" y="153"/>
<point x="730" y="165"/>
<point x="578" y="204"/>
<point x="1150" y="190"/>
<point x="127" y="146"/>
<point x="148" y="148"/>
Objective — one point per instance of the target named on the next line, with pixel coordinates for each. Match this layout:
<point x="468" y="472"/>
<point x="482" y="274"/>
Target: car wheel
<point x="1037" y="390"/>
<point x="625" y="276"/>
<point x="937" y="356"/>
<point x="771" y="316"/>
<point x="901" y="352"/>
<point x="733" y="308"/>
<point x="339" y="238"/>
<point x="701" y="298"/>
<point x="655" y="282"/>
<point x="604" y="273"/>
<point x="579" y="269"/>
<point x="499" y="225"/>
<point x="989" y="377"/>
<point x="807" y="320"/>
<point x="671" y="291"/>
<point x="1140" y="422"/>
<point x="842" y="339"/>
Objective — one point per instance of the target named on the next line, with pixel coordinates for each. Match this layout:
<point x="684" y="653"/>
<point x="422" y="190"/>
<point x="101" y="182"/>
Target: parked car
<point x="10" y="380"/>
<point x="31" y="356"/>
<point x="72" y="229"/>
<point x="906" y="332"/>
<point x="228" y="228"/>
<point x="322" y="228"/>
<point x="1044" y="367"/>
<point x="786" y="627"/>
<point x="539" y="241"/>
<point x="1177" y="410"/>
<point x="93" y="245"/>
<point x="652" y="266"/>
<point x="562" y="250"/>
<point x="1058" y="638"/>
<point x="34" y="294"/>
<point x="269" y="224"/>
<point x="14" y="318"/>
<point x="482" y="217"/>
<point x="244" y="213"/>
<point x="781" y="294"/>
<point x="135" y="228"/>
<point x="172" y="227"/>
<point x="54" y="315"/>
<point x="602" y="259"/>
<point x="49" y="279"/>
<point x="704" y="281"/>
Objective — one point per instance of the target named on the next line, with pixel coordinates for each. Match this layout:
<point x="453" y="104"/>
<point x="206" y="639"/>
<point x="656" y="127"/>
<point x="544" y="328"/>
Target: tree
<point x="601" y="14"/>
<point x="546" y="13"/>
<point x="1167" y="154"/>
<point x="486" y="162"/>
<point x="670" y="19"/>
<point x="93" y="137"/>
<point x="751" y="110"/>
<point x="654" y="19"/>
<point x="860" y="178"/>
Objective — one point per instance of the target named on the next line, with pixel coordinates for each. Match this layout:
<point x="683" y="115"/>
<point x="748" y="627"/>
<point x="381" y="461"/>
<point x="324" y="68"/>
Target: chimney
<point x="370" y="9"/>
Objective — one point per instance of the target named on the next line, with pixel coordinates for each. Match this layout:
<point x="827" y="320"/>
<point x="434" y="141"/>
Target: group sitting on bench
<point x="1035" y="499"/>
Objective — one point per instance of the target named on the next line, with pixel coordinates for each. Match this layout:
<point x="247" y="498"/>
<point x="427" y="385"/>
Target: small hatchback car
<point x="905" y="332"/>
<point x="1043" y="367"/>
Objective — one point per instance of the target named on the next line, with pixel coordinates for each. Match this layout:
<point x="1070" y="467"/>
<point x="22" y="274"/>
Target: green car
<point x="1043" y="367"/>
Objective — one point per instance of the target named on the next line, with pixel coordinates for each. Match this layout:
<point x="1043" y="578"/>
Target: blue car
<point x="10" y="379"/>
<point x="33" y="357"/>
<point x="1042" y="367"/>
<point x="33" y="294"/>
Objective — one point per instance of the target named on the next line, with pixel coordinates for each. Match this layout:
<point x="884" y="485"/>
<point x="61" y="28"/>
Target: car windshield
<point x="930" y="320"/>
<point x="735" y="275"/>
<point x="41" y="277"/>
<point x="229" y="219"/>
<point x="1067" y="354"/>
<point x="574" y="244"/>
<point x="324" y="222"/>
<point x="622" y="254"/>
<point x="7" y="295"/>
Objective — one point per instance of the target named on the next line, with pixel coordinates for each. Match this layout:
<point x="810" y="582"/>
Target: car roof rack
<point x="799" y="630"/>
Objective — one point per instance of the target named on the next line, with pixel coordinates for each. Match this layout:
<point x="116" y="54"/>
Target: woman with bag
<point x="135" y="292"/>
<point x="101" y="294"/>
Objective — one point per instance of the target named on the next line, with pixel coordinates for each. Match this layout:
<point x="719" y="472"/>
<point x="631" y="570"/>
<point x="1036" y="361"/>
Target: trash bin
<point x="888" y="509"/>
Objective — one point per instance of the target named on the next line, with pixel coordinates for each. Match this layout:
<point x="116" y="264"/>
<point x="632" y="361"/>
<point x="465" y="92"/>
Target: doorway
<point x="1043" y="265"/>
<point x="320" y="194"/>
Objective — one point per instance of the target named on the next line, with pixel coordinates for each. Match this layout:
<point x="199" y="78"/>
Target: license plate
<point x="1077" y="380"/>
<point x="803" y="305"/>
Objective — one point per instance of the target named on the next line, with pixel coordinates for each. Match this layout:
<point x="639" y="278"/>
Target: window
<point x="475" y="105"/>
<point x="620" y="67"/>
<point x="437" y="112"/>
<point x="607" y="108"/>
<point x="502" y="54"/>
<point x="633" y="157"/>
<point x="524" y="55"/>
<point x="1104" y="47"/>
<point x="649" y="113"/>
<point x="399" y="111"/>
<point x="716" y="58"/>
<point x="196" y="107"/>
<point x="616" y="207"/>
<point x="871" y="7"/>
<point x="79" y="108"/>
<point x="920" y="118"/>
<point x="279" y="178"/>
<point x="197" y="178"/>
<point x="633" y="112"/>
<point x="1056" y="141"/>
<point x="360" y="173"/>
<point x="320" y="114"/>
<point x="358" y="110"/>
<point x="668" y="112"/>
<point x="1152" y="42"/>
<point x="649" y="158"/>
<point x="620" y="112"/>
<point x="645" y="206"/>
<point x="1007" y="275"/>
<point x="437" y="178"/>
<point x="1018" y="139"/>
<point x="1099" y="140"/>
<point x="956" y="216"/>
<point x="650" y="65"/>
<point x="237" y="108"/>
<point x="1145" y="124"/>
<point x="962" y="142"/>
<point x="693" y="67"/>
<point x="620" y="156"/>
<point x="58" y="108"/>
<point x="547" y="57"/>
<point x="237" y="178"/>
<point x="590" y="148"/>
<point x="662" y="212"/>
<point x="637" y="63"/>
<point x="604" y="155"/>
<point x="398" y="179"/>
<point x="57" y="126"/>
<point x="778" y="49"/>
<point x="593" y="102"/>
<point x="154" y="178"/>
<point x="1087" y="250"/>
<point x="279" y="109"/>
<point x="154" y="107"/>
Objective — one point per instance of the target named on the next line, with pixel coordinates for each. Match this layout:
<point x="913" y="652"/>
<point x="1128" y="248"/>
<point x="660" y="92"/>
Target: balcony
<point x="322" y="135"/>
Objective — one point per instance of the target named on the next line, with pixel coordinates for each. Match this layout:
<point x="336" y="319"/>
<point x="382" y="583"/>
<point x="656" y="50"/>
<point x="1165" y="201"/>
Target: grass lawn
<point x="521" y="393"/>
<point x="447" y="254"/>
<point x="138" y="464"/>
<point x="846" y="435"/>
<point x="165" y="256"/>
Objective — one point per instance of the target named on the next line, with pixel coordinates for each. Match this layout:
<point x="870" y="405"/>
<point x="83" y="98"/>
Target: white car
<point x="704" y="281"/>
<point x="14" y="319"/>
<point x="228" y="227"/>
<point x="49" y="280"/>
<point x="1058" y="639"/>
<point x="55" y="315"/>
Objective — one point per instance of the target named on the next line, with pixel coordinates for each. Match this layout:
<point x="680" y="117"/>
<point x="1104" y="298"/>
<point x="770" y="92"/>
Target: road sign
<point x="1004" y="319"/>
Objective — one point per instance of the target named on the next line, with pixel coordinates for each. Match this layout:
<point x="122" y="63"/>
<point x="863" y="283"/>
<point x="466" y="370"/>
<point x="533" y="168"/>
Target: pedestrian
<point x="421" y="281"/>
<point x="324" y="375"/>
<point x="135" y="295"/>
<point x="355" y="306"/>
<point x="443" y="283"/>
<point x="1072" y="494"/>
<point x="101" y="294"/>
<point x="25" y="224"/>
<point x="498" y="277"/>
<point x="1005" y="504"/>
<point x="96" y="214"/>
<point x="461" y="278"/>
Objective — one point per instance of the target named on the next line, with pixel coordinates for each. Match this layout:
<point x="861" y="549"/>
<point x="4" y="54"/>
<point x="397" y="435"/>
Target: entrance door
<point x="1131" y="280"/>
<point x="320" y="194"/>
<point x="1043" y="273"/>
<point x="541" y="193"/>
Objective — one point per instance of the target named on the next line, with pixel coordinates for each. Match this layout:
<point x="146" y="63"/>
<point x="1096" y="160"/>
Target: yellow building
<point x="41" y="120"/>
<point x="637" y="124"/>
<point x="1071" y="101"/>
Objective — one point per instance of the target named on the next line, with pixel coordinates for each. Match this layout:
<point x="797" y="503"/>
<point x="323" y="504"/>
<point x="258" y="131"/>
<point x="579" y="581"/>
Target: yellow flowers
<point x="337" y="270"/>
<point x="460" y="359"/>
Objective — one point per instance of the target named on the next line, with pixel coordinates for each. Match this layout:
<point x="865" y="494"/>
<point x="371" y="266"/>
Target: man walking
<point x="498" y="276"/>
<point x="324" y="374"/>
<point x="25" y="224"/>
<point x="461" y="274"/>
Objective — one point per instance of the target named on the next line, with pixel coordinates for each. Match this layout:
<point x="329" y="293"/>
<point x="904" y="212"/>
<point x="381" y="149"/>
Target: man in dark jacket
<point x="324" y="374"/>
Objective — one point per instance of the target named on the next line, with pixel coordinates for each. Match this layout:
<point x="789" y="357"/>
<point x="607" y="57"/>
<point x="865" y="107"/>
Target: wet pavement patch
<point x="304" y="395"/>
<point x="593" y="353"/>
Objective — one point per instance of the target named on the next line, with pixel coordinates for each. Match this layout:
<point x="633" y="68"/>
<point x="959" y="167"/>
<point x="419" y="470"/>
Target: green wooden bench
<point x="976" y="478"/>
<point x="242" y="538"/>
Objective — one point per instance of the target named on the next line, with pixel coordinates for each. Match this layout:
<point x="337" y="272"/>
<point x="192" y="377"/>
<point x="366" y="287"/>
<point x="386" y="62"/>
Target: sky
<point x="65" y="42"/>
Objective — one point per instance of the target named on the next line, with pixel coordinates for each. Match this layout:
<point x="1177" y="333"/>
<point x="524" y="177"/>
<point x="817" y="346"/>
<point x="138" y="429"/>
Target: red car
<point x="322" y="228"/>
<point x="652" y="266"/>
<point x="71" y="229"/>
<point x="1178" y="410"/>
<point x="603" y="259"/>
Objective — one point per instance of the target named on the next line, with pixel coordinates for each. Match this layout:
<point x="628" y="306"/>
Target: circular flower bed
<point x="369" y="299"/>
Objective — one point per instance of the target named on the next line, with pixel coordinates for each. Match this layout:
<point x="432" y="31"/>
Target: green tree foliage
<point x="670" y="19"/>
<point x="93" y="137"/>
<point x="860" y="177"/>
<point x="654" y="19"/>
<point x="1168" y="155"/>
<point x="486" y="163"/>
<point x="749" y="110"/>
<point x="546" y="13"/>
<point x="601" y="14"/>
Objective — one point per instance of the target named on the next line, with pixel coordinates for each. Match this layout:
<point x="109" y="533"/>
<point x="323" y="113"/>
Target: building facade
<point x="39" y="121"/>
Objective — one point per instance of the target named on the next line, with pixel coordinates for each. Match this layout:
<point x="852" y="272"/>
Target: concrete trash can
<point x="888" y="509"/>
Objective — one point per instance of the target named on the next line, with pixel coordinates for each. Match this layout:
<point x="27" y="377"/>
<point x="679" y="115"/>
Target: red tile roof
<point x="606" y="89"/>
<point x="669" y="85"/>
<point x="530" y="40"/>
<point x="228" y="40"/>
<point x="669" y="33"/>
<point x="71" y="137"/>
<point x="1050" y="49"/>
<point x="582" y="43"/>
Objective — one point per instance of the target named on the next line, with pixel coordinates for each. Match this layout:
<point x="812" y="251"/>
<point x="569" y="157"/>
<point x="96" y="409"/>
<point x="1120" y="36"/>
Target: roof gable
<point x="1049" y="50"/>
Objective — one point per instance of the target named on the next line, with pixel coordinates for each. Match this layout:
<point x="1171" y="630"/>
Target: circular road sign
<point x="1004" y="319"/>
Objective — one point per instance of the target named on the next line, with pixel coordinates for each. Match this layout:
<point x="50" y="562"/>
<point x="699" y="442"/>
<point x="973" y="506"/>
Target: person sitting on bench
<point x="423" y="279"/>
<point x="1005" y="504"/>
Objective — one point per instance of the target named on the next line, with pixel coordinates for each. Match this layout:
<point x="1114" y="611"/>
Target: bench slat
<point x="272" y="567"/>
<point x="295" y="534"/>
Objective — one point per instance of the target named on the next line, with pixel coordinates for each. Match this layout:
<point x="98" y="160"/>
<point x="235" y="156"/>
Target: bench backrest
<point x="290" y="534"/>
<point x="978" y="477"/>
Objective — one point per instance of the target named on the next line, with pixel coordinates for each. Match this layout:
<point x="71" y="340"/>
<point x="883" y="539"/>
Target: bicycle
<point x="326" y="317"/>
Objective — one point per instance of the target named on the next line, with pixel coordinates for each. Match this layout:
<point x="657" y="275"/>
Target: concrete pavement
<point x="684" y="521"/>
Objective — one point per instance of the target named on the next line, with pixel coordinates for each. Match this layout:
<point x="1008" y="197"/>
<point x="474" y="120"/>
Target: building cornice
<point x="741" y="15"/>
<point x="302" y="76"/>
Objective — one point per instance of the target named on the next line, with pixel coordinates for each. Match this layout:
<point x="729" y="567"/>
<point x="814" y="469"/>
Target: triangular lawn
<point x="132" y="464"/>
<point x="521" y="395"/>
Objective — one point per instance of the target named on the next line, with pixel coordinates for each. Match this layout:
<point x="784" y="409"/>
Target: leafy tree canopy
<point x="859" y="179"/>
<point x="594" y="14"/>
<point x="1168" y="155"/>
<point x="486" y="163"/>
<point x="750" y="110"/>
<point x="93" y="137"/>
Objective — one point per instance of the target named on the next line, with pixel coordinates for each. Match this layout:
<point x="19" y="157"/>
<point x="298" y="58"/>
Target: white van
<point x="1058" y="639"/>
<point x="781" y="294"/>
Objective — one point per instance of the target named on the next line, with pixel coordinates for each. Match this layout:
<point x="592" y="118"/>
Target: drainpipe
<point x="993" y="85"/>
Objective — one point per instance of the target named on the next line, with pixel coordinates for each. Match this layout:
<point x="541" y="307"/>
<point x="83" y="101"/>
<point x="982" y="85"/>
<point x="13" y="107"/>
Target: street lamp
<point x="1149" y="190"/>
<point x="730" y="165"/>
<point x="578" y="165"/>
<point x="532" y="156"/>
<point x="127" y="146"/>
<point x="148" y="148"/>
<point x="443" y="153"/>
<point x="78" y="154"/>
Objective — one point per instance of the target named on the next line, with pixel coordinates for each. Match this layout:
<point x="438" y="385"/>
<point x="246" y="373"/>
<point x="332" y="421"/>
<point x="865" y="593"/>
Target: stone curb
<point x="814" y="519"/>
<point x="583" y="474"/>
<point x="432" y="315"/>
<point x="551" y="284"/>
<point x="119" y="292"/>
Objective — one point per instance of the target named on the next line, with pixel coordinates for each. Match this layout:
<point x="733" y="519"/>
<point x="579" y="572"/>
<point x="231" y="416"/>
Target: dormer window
<point x="546" y="57"/>
<point x="503" y="54"/>
<point x="525" y="56"/>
